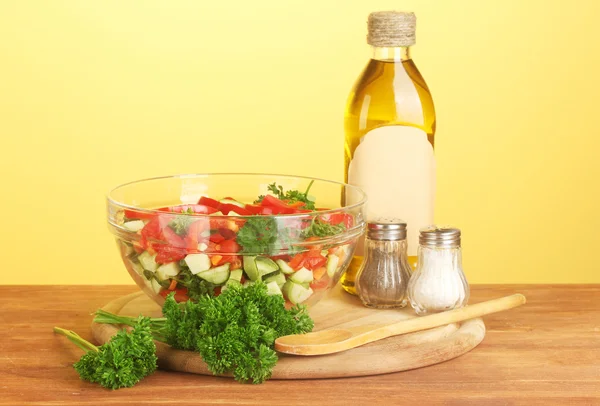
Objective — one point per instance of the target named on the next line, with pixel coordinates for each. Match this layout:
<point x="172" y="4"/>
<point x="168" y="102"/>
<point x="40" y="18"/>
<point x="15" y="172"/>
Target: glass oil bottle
<point x="390" y="129"/>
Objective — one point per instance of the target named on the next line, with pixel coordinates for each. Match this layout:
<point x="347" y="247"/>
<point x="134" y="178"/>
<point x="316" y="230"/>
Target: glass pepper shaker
<point x="383" y="276"/>
<point x="438" y="284"/>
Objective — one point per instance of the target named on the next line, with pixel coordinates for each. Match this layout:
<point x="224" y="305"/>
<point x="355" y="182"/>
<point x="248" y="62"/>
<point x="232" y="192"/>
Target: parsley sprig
<point x="120" y="363"/>
<point x="234" y="332"/>
<point x="319" y="228"/>
<point x="291" y="196"/>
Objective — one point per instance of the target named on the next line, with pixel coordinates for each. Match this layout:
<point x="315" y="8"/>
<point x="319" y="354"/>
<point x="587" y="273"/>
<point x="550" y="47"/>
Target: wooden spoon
<point x="336" y="340"/>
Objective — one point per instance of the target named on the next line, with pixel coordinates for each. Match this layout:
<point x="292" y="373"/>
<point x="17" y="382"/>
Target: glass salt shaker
<point x="438" y="284"/>
<point x="383" y="276"/>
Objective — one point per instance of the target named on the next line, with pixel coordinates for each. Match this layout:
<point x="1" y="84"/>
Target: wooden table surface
<point x="546" y="352"/>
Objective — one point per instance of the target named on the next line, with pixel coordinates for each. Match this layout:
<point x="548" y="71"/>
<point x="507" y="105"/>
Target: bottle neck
<point x="391" y="54"/>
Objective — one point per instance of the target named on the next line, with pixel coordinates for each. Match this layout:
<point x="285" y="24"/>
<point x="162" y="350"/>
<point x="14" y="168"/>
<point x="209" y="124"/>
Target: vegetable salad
<point x="193" y="256"/>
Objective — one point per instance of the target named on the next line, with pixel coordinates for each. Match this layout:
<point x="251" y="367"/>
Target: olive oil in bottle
<point x="390" y="128"/>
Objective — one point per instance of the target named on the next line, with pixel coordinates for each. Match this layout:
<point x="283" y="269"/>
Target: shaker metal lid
<point x="386" y="229"/>
<point x="439" y="237"/>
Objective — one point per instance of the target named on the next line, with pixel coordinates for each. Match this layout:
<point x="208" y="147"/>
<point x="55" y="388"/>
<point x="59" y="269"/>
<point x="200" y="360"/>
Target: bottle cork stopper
<point x="391" y="29"/>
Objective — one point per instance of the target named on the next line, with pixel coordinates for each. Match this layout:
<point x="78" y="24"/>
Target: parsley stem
<point x="156" y="324"/>
<point x="76" y="339"/>
<point x="308" y="188"/>
<point x="104" y="317"/>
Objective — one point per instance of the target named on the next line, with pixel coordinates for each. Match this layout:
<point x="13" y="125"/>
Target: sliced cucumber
<point x="234" y="202"/>
<point x="278" y="278"/>
<point x="218" y="275"/>
<point x="285" y="268"/>
<point x="134" y="225"/>
<point x="136" y="267"/>
<point x="250" y="268"/>
<point x="269" y="275"/>
<point x="167" y="270"/>
<point x="156" y="287"/>
<point x="273" y="288"/>
<point x="235" y="275"/>
<point x="296" y="293"/>
<point x="266" y="265"/>
<point x="148" y="261"/>
<point x="198" y="263"/>
<point x="332" y="264"/>
<point x="302" y="276"/>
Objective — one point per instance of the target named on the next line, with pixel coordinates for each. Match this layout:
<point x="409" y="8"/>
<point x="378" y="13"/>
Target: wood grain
<point x="338" y="310"/>
<point x="544" y="353"/>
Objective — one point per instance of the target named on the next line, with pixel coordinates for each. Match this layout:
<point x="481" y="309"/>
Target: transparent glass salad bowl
<point x="199" y="234"/>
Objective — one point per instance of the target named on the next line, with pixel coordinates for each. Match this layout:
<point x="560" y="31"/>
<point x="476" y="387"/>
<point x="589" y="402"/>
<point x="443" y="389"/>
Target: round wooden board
<point x="338" y="309"/>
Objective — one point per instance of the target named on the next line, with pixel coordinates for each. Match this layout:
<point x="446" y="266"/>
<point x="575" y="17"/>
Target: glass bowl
<point x="200" y="233"/>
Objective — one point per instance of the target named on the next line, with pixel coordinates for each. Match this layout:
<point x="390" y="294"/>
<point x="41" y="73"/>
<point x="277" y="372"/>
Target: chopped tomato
<point x="207" y="201"/>
<point x="217" y="238"/>
<point x="150" y="231"/>
<point x="297" y="261"/>
<point x="134" y="214"/>
<point x="315" y="251"/>
<point x="230" y="246"/>
<point x="227" y="233"/>
<point x="231" y="224"/>
<point x="166" y="254"/>
<point x="217" y="291"/>
<point x="227" y="207"/>
<point x="254" y="208"/>
<point x="319" y="284"/>
<point x="272" y="201"/>
<point x="172" y="238"/>
<point x="339" y="218"/>
<point x="319" y="272"/>
<point x="314" y="262"/>
<point x="213" y="247"/>
<point x="181" y="294"/>
<point x="282" y="210"/>
<point x="194" y="234"/>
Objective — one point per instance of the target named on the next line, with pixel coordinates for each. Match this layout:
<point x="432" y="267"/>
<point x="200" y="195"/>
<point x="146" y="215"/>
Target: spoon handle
<point x="439" y="319"/>
<point x="336" y="340"/>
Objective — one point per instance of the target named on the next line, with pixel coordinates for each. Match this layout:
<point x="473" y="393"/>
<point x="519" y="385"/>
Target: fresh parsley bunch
<point x="234" y="332"/>
<point x="120" y="363"/>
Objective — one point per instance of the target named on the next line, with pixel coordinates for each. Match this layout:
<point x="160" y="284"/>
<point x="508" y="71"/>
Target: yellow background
<point x="96" y="93"/>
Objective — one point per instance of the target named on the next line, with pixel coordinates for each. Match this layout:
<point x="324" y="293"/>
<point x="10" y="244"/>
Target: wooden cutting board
<point x="338" y="309"/>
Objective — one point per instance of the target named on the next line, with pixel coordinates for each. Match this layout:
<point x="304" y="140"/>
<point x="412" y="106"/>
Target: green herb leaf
<point x="234" y="332"/>
<point x="197" y="287"/>
<point x="120" y="363"/>
<point x="180" y="224"/>
<point x="292" y="196"/>
<point x="320" y="228"/>
<point x="259" y="234"/>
